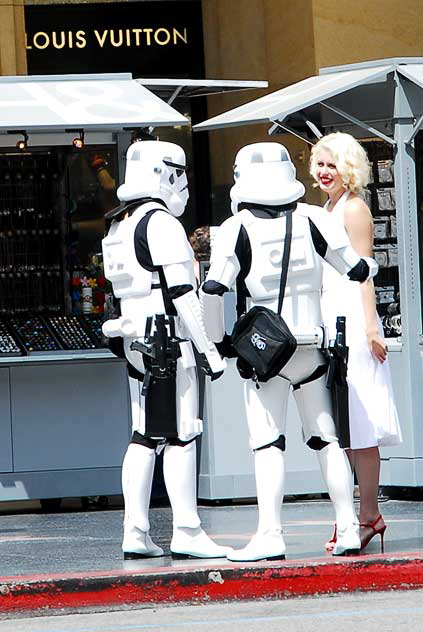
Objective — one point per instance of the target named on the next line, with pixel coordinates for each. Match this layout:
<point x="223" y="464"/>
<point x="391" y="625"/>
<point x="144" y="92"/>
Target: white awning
<point x="90" y="102"/>
<point x="280" y="104"/>
<point x="414" y="72"/>
<point x="166" y="88"/>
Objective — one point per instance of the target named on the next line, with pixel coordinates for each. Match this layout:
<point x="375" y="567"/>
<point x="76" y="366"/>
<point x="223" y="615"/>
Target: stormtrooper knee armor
<point x="149" y="262"/>
<point x="250" y="243"/>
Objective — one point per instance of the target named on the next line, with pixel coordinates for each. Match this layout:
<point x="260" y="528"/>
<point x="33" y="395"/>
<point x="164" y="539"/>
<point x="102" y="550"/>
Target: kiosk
<point x="380" y="102"/>
<point x="64" y="406"/>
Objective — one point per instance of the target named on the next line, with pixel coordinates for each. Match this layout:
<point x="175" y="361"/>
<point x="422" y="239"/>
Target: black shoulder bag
<point x="260" y="336"/>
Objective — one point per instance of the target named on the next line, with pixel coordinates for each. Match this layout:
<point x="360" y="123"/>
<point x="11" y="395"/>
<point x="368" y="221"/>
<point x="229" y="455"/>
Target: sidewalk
<point x="72" y="558"/>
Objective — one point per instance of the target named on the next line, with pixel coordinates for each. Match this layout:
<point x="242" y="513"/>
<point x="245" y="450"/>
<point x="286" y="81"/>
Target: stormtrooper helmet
<point x="156" y="169"/>
<point x="264" y="174"/>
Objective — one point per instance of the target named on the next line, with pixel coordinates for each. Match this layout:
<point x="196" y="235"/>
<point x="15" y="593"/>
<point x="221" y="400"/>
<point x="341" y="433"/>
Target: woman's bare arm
<point x="359" y="226"/>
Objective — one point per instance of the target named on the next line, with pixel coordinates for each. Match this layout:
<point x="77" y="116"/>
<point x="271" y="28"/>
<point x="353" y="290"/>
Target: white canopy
<point x="414" y="72"/>
<point x="197" y="87"/>
<point x="105" y="102"/>
<point x="92" y="102"/>
<point x="280" y="104"/>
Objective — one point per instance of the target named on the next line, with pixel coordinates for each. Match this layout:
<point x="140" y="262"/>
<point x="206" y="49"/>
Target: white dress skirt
<point x="373" y="415"/>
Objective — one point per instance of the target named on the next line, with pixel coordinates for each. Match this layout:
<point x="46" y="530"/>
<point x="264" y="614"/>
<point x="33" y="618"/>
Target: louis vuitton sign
<point x="108" y="37"/>
<point x="145" y="38"/>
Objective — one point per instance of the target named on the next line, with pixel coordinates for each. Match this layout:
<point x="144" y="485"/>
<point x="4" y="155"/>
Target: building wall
<point x="348" y="32"/>
<point x="12" y="38"/>
<point x="251" y="39"/>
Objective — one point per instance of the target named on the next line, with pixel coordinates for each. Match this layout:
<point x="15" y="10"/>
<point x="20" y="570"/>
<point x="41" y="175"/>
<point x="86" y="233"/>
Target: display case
<point x="52" y="205"/>
<point x="9" y="346"/>
<point x="30" y="238"/>
<point x="380" y="197"/>
<point x="61" y="387"/>
<point x="32" y="335"/>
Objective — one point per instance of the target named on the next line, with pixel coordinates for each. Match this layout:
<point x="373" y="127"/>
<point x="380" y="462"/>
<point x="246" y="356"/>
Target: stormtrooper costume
<point x="251" y="243"/>
<point x="149" y="261"/>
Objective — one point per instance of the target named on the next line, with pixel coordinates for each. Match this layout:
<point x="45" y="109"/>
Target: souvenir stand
<point x="64" y="406"/>
<point x="381" y="103"/>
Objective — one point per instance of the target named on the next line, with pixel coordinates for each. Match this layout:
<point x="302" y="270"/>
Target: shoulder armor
<point x="167" y="240"/>
<point x="332" y="231"/>
<point x="225" y="239"/>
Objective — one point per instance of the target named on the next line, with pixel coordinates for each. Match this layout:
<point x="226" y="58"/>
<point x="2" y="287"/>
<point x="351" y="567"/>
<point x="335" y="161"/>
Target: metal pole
<point x="409" y="266"/>
<point x="123" y="140"/>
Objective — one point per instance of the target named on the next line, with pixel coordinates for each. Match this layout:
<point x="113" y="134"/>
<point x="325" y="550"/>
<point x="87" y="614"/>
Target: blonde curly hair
<point x="349" y="157"/>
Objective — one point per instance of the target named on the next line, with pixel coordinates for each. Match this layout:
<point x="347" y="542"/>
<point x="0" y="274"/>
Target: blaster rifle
<point x="161" y="352"/>
<point x="160" y="349"/>
<point x="337" y="382"/>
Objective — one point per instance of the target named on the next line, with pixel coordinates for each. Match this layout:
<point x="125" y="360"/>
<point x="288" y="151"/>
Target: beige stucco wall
<point x="12" y="38"/>
<point x="253" y="39"/>
<point x="346" y="32"/>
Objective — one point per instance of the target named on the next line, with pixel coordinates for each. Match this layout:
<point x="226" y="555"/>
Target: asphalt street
<point x="369" y="612"/>
<point x="72" y="540"/>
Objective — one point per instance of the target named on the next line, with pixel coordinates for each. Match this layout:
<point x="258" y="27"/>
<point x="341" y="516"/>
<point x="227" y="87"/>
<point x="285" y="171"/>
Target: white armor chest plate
<point x="121" y="267"/>
<point x="301" y="306"/>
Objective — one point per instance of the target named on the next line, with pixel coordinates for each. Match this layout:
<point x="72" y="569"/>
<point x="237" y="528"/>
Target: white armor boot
<point x="189" y="539"/>
<point x="268" y="542"/>
<point x="336" y="471"/>
<point x="137" y="478"/>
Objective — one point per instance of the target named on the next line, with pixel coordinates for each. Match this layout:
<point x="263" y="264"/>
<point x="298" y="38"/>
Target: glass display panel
<point x="70" y="333"/>
<point x="92" y="323"/>
<point x="34" y="334"/>
<point x="92" y="179"/>
<point x="8" y="345"/>
<point x="31" y="241"/>
<point x="380" y="197"/>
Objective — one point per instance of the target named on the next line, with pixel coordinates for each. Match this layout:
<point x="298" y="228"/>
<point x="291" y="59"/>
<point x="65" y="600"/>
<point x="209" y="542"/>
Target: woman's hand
<point x="377" y="345"/>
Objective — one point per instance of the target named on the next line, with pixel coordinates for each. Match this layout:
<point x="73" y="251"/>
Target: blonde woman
<point x="341" y="169"/>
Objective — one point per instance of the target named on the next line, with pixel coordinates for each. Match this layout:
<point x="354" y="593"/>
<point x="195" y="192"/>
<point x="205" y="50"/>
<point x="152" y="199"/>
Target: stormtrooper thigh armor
<point x="189" y="424"/>
<point x="266" y="406"/>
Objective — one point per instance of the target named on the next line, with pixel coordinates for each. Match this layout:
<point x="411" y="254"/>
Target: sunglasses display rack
<point x="70" y="333"/>
<point x="9" y="346"/>
<point x="33" y="334"/>
<point x="28" y="335"/>
<point x="380" y="197"/>
<point x="30" y="239"/>
<point x="92" y="324"/>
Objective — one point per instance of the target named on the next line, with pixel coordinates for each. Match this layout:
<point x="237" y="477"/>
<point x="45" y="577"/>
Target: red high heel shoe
<point x="330" y="544"/>
<point x="374" y="531"/>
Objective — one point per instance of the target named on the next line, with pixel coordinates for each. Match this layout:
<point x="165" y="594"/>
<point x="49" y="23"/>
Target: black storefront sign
<point x="147" y="39"/>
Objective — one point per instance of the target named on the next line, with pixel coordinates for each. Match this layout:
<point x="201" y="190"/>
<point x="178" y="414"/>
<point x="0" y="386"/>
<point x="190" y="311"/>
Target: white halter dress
<point x="373" y="415"/>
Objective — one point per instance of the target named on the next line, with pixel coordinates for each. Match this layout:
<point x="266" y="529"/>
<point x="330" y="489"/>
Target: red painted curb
<point x="213" y="583"/>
